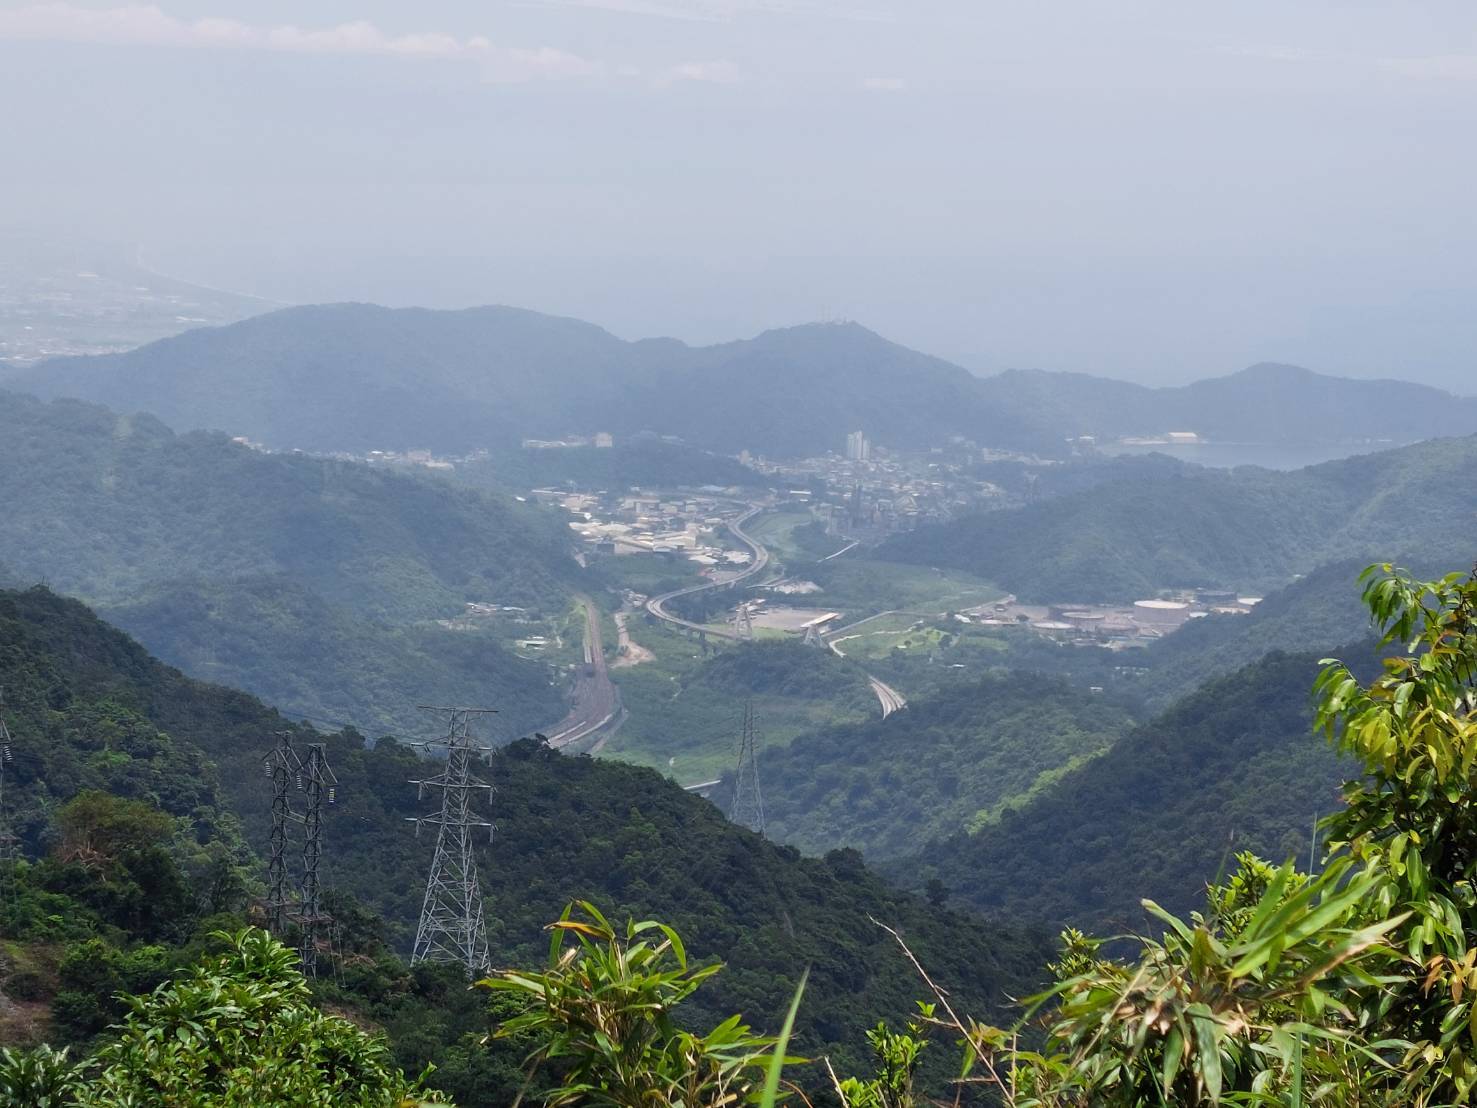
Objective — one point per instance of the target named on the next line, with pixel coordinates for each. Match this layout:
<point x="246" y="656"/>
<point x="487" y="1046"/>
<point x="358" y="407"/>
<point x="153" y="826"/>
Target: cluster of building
<point x="687" y="525"/>
<point x="869" y="492"/>
<point x="602" y="440"/>
<point x="1114" y="625"/>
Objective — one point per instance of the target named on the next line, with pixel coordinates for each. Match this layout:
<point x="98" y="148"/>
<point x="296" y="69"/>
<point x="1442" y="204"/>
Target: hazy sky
<point x="1153" y="190"/>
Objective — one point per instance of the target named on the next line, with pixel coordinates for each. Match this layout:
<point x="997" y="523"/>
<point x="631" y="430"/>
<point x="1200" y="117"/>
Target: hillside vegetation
<point x="1232" y="767"/>
<point x="359" y="377"/>
<point x="952" y="760"/>
<point x="1248" y="528"/>
<point x="567" y="828"/>
<point x="313" y="580"/>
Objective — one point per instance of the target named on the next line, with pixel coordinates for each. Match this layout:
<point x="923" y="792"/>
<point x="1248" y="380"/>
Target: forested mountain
<point x="309" y="579"/>
<point x="1248" y="528"/>
<point x="359" y="377"/>
<point x="1266" y="403"/>
<point x="90" y="708"/>
<point x="952" y="760"/>
<point x="1232" y="767"/>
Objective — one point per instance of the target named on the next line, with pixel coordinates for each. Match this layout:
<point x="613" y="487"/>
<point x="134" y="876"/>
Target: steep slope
<point x="1247" y="528"/>
<point x="127" y="515"/>
<point x="358" y="377"/>
<point x="887" y="786"/>
<point x="1231" y="767"/>
<point x="567" y="827"/>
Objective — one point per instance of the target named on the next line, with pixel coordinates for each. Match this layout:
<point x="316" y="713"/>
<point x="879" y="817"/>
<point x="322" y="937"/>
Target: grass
<point x="864" y="587"/>
<point x="692" y="733"/>
<point x="776" y="530"/>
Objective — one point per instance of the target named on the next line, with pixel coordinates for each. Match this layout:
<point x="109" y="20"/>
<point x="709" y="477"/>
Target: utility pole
<point x="452" y="928"/>
<point x="747" y="808"/>
<point x="320" y="785"/>
<point x="284" y="769"/>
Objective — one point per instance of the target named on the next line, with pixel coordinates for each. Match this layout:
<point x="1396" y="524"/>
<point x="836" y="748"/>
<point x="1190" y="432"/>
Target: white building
<point x="858" y="449"/>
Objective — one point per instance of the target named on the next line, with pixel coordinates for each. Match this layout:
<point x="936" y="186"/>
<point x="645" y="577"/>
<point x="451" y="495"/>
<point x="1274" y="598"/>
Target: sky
<point x="1152" y="190"/>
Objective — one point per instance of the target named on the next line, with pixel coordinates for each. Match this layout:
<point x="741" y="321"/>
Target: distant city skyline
<point x="1138" y="189"/>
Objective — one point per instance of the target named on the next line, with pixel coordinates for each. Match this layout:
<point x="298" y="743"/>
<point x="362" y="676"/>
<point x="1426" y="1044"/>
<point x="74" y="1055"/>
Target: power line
<point x="747" y="808"/>
<point x="452" y="928"/>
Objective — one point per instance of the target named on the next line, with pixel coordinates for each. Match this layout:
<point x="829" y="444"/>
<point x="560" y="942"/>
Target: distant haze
<point x="1136" y="188"/>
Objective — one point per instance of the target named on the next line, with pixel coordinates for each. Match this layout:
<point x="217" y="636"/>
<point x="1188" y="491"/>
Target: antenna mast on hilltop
<point x="451" y="927"/>
<point x="284" y="769"/>
<point x="748" y="806"/>
<point x="321" y="785"/>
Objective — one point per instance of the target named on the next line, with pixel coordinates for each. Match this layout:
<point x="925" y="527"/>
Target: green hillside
<point x="952" y="759"/>
<point x="1232" y="767"/>
<point x="1247" y="528"/>
<point x="313" y="580"/>
<point x="359" y="377"/>
<point x="567" y="827"/>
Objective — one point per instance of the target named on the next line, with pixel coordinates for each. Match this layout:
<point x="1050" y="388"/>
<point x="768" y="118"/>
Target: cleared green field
<point x="863" y="587"/>
<point x="776" y="531"/>
<point x="689" y="729"/>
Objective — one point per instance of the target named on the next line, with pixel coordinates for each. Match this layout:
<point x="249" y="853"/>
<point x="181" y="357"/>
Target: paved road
<point x="596" y="702"/>
<point x="890" y="699"/>
<point x="657" y="604"/>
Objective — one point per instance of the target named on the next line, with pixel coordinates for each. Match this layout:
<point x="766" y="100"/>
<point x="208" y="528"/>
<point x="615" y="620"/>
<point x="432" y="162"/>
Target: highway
<point x="657" y="604"/>
<point x="890" y="699"/>
<point x="595" y="702"/>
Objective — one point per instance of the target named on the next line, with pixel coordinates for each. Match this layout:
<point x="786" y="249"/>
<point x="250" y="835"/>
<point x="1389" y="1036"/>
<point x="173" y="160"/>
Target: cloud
<point x="713" y="73"/>
<point x="722" y="11"/>
<point x="149" y="25"/>
<point x="884" y="84"/>
<point x="1449" y="67"/>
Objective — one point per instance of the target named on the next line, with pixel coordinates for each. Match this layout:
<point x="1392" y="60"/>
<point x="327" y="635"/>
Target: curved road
<point x="890" y="699"/>
<point x="657" y="604"/>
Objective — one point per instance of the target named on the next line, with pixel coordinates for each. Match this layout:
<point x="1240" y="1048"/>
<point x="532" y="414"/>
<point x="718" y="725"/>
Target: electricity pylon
<point x="743" y="622"/>
<point x="8" y="838"/>
<point x="285" y="770"/>
<point x="747" y="808"/>
<point x="320" y="786"/>
<point x="451" y="926"/>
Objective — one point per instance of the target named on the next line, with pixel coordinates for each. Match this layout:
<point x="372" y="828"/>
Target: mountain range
<point x="357" y="377"/>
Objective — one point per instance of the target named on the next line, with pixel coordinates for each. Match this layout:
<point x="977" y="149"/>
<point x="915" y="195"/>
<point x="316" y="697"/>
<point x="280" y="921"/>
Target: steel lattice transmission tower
<point x="747" y="808"/>
<point x="743" y="622"/>
<point x="8" y="838"/>
<point x="320" y="785"/>
<point x="451" y="927"/>
<point x="285" y="770"/>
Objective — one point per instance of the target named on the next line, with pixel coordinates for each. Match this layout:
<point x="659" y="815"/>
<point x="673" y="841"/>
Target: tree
<point x="241" y="1030"/>
<point x="602" y="1013"/>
